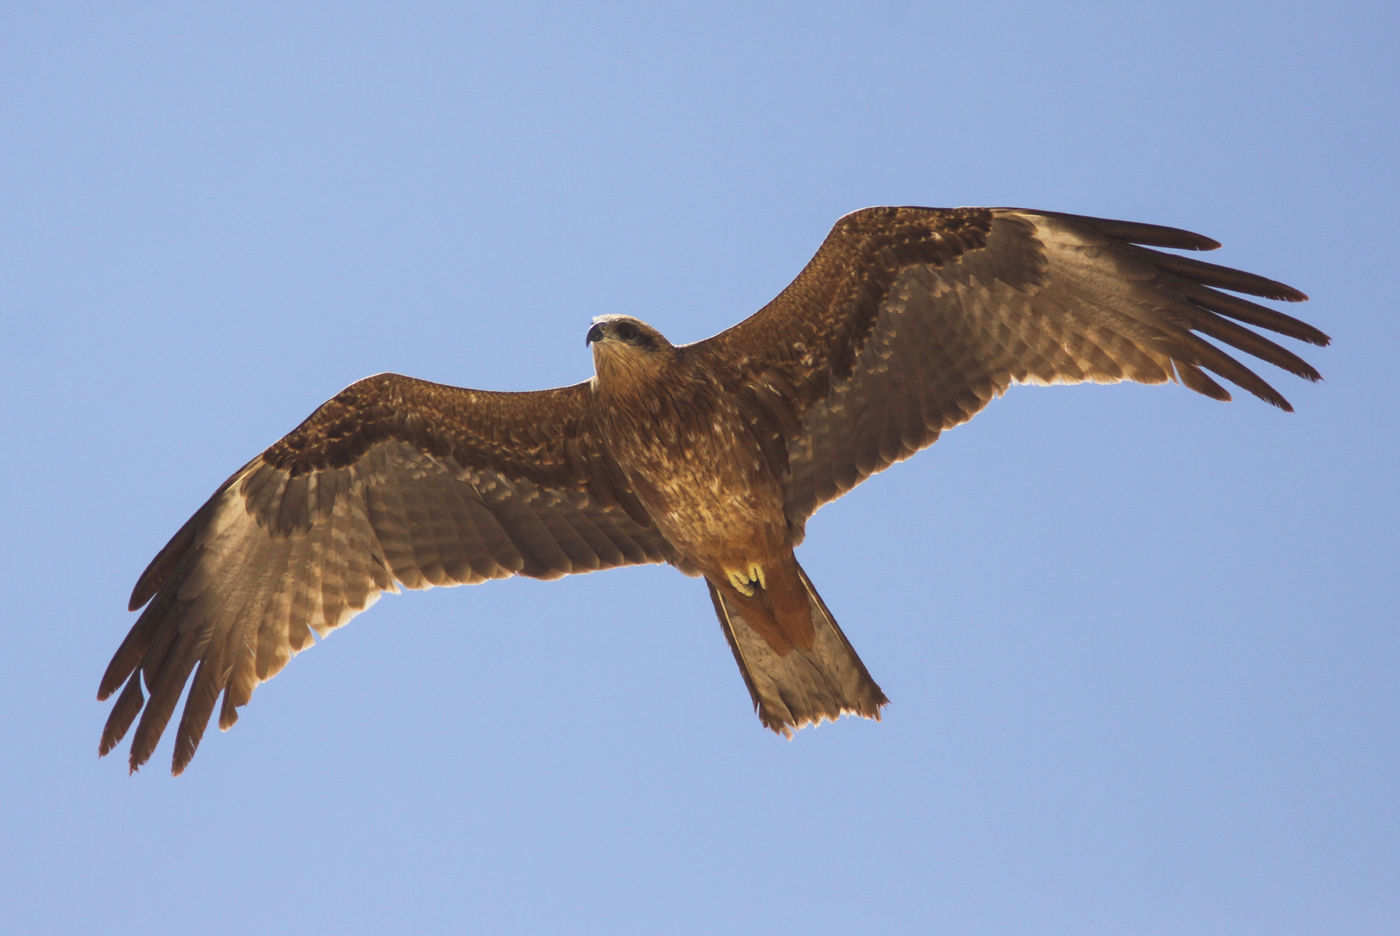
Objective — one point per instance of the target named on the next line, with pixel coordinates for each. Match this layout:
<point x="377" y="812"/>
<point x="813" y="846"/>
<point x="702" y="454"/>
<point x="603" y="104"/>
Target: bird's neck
<point x="626" y="373"/>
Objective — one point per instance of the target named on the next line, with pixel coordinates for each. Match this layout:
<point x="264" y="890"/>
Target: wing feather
<point x="908" y="321"/>
<point x="394" y="482"/>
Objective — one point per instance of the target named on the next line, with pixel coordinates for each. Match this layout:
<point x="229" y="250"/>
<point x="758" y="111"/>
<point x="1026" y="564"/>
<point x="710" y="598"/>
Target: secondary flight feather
<point x="708" y="456"/>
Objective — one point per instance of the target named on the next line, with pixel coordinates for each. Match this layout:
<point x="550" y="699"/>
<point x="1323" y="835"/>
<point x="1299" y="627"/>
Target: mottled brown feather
<point x="908" y="321"/>
<point x="393" y="482"/>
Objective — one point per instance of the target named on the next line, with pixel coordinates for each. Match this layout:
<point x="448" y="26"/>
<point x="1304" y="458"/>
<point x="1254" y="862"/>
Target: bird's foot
<point x="744" y="582"/>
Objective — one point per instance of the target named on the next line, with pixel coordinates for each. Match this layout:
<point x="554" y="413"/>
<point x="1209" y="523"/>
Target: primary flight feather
<point x="709" y="456"/>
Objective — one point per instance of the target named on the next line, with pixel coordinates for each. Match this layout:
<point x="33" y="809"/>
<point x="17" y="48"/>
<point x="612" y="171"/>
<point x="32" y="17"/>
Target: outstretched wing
<point x="908" y="321"/>
<point x="393" y="482"/>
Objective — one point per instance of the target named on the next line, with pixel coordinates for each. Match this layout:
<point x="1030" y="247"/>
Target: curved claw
<point x="744" y="582"/>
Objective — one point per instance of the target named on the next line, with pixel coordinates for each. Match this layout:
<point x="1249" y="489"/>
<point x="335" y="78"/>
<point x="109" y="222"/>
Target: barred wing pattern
<point x="393" y="482"/>
<point x="908" y="321"/>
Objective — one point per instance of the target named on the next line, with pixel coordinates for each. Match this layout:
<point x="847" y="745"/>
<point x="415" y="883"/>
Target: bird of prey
<point x="709" y="456"/>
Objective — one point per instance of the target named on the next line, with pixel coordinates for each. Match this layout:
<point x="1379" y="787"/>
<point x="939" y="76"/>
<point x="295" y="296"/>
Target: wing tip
<point x="1316" y="336"/>
<point x="1280" y="292"/>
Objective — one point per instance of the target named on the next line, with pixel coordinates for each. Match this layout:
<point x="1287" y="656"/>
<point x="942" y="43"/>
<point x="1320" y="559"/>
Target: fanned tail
<point x="798" y="685"/>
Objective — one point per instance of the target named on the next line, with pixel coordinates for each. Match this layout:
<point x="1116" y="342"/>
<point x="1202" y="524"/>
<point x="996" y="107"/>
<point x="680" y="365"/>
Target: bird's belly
<point x="711" y="496"/>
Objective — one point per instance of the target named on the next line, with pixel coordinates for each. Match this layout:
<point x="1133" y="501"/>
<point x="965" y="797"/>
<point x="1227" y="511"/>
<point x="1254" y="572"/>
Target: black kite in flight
<point x="709" y="456"/>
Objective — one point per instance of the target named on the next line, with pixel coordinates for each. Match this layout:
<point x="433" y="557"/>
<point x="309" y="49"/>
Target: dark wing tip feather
<point x="160" y="568"/>
<point x="1251" y="313"/>
<point x="1149" y="235"/>
<point x="1223" y="277"/>
<point x="1306" y="332"/>
<point x="1215" y="313"/>
<point x="1210" y="274"/>
<point x="122" y="715"/>
<point x="155" y="575"/>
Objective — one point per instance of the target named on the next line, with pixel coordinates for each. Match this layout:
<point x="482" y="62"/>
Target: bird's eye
<point x="627" y="331"/>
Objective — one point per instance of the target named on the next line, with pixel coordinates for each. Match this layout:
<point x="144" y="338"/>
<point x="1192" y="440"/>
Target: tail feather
<point x="802" y="684"/>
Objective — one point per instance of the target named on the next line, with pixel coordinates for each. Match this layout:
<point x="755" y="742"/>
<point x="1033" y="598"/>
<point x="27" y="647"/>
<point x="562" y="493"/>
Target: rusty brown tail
<point x="797" y="685"/>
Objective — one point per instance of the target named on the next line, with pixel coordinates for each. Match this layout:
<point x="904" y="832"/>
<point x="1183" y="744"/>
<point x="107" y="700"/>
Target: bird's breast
<point x="696" y="466"/>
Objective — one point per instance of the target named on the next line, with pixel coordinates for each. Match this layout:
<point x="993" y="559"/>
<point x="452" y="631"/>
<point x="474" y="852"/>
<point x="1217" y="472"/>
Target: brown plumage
<point x="709" y="456"/>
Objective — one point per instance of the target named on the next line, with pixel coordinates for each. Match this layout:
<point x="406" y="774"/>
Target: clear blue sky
<point x="1142" y="647"/>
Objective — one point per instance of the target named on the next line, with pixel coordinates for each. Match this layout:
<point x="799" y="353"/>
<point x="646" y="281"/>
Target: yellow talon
<point x="741" y="584"/>
<point x="744" y="583"/>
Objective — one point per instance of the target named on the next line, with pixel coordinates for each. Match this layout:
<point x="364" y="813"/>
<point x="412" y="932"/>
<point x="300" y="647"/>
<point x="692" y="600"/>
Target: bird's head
<point x="623" y="332"/>
<point x="625" y="345"/>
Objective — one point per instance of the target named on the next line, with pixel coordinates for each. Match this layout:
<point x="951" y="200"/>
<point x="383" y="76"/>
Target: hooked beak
<point x="594" y="334"/>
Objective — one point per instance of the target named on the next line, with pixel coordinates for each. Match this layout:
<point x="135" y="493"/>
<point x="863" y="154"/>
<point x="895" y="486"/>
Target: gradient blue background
<point x="1142" y="647"/>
